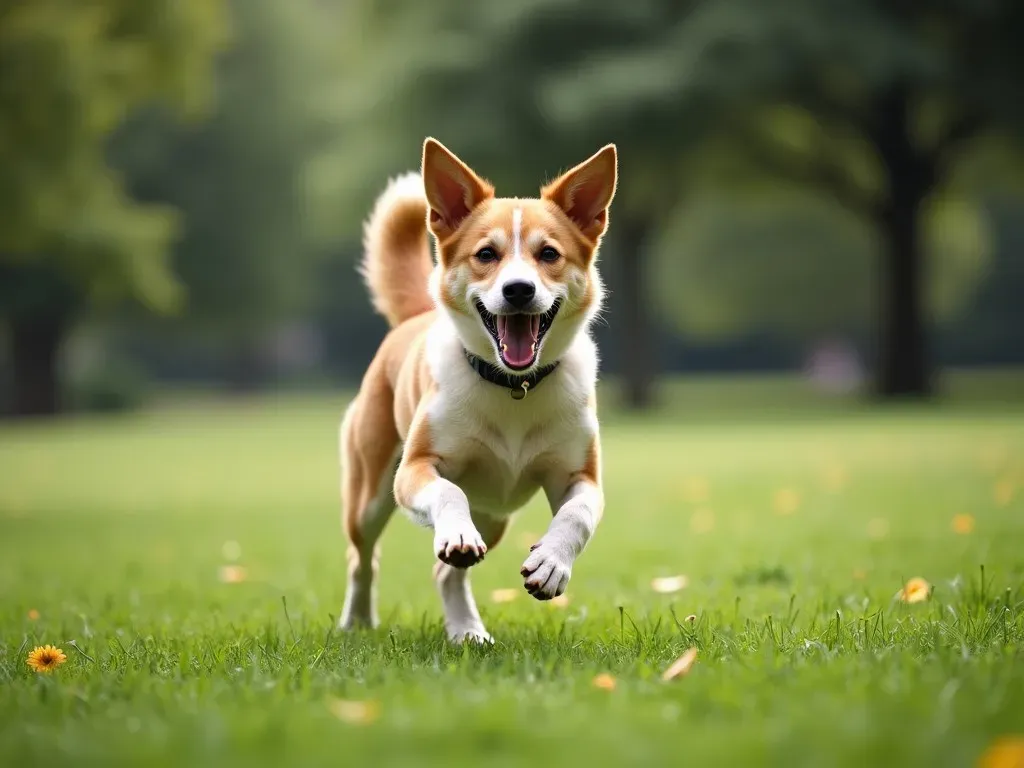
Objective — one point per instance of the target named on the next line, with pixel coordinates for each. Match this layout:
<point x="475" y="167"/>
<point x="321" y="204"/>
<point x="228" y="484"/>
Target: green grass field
<point x="795" y="521"/>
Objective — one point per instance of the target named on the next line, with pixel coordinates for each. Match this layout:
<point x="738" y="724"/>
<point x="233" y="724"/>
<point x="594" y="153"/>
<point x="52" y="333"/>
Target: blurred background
<point x="828" y="187"/>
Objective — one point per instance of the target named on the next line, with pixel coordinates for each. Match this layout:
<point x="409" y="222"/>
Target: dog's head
<point x="518" y="277"/>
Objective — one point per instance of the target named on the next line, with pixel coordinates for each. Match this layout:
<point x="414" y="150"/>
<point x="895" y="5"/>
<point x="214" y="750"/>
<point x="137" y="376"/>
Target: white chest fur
<point x="498" y="450"/>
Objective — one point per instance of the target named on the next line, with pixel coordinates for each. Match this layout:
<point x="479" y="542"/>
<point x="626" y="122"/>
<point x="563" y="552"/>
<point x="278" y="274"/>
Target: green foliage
<point x="69" y="74"/>
<point x="241" y="179"/>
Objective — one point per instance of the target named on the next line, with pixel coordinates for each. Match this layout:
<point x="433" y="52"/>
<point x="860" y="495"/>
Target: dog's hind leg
<point x="461" y="618"/>
<point x="370" y="450"/>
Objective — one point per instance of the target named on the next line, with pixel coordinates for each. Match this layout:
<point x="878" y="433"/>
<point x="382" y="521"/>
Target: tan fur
<point x="454" y="451"/>
<point x="396" y="262"/>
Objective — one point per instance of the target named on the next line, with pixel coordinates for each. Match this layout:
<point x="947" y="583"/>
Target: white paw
<point x="546" y="571"/>
<point x="458" y="543"/>
<point x="474" y="634"/>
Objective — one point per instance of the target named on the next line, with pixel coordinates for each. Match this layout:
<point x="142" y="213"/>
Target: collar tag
<point x="522" y="392"/>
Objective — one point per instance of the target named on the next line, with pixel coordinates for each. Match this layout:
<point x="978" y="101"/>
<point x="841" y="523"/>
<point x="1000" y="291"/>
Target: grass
<point x="795" y="530"/>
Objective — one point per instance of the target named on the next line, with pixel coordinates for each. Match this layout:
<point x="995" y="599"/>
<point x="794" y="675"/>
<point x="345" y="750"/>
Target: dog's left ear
<point x="586" y="191"/>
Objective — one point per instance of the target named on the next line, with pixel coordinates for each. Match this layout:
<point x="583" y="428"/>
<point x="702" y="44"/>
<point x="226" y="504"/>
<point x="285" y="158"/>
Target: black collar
<point x="518" y="386"/>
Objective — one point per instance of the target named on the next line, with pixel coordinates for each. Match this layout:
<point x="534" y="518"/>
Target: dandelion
<point x="681" y="666"/>
<point x="33" y="614"/>
<point x="787" y="501"/>
<point x="605" y="682"/>
<point x="560" y="601"/>
<point x="1005" y="752"/>
<point x="963" y="524"/>
<point x="915" y="591"/>
<point x="46" y="658"/>
<point x="666" y="585"/>
<point x="354" y="712"/>
<point x="504" y="595"/>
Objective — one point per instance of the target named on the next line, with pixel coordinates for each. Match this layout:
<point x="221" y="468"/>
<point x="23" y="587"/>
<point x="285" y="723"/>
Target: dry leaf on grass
<point x="681" y="666"/>
<point x="665" y="585"/>
<point x="605" y="682"/>
<point x="354" y="712"/>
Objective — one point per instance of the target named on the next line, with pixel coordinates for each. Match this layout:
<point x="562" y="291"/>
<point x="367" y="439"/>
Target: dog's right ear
<point x="452" y="189"/>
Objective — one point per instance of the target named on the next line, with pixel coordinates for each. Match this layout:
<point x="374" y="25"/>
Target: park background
<point x="812" y="386"/>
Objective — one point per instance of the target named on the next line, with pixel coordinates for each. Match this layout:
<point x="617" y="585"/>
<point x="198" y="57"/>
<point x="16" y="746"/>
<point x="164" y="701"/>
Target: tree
<point x="69" y="237"/>
<point x="247" y="257"/>
<point x="872" y="103"/>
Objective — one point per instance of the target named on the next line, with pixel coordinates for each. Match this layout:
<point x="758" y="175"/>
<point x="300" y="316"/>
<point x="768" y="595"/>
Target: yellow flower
<point x="504" y="595"/>
<point x="915" y="591"/>
<point x="1006" y="752"/>
<point x="560" y="601"/>
<point x="33" y="614"/>
<point x="46" y="658"/>
<point x="605" y="682"/>
<point x="233" y="574"/>
<point x="681" y="666"/>
<point x="963" y="524"/>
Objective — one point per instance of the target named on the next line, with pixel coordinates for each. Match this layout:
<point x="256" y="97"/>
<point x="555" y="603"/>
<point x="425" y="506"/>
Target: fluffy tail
<point x="396" y="251"/>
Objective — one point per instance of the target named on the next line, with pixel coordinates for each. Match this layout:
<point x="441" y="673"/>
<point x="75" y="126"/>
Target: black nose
<point x="518" y="293"/>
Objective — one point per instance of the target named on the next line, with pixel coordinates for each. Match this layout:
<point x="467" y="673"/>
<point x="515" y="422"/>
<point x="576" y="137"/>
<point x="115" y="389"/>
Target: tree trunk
<point x="632" y="302"/>
<point x="903" y="360"/>
<point x="35" y="346"/>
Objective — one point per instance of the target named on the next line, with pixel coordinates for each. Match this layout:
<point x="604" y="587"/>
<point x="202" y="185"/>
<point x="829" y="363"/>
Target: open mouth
<point x="518" y="336"/>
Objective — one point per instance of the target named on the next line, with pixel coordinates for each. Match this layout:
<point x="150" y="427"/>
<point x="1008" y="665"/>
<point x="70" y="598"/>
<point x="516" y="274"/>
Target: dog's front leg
<point x="436" y="502"/>
<point x="578" y="503"/>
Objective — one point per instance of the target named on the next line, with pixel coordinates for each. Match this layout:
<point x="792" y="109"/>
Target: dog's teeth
<point x="504" y="349"/>
<point x="533" y="349"/>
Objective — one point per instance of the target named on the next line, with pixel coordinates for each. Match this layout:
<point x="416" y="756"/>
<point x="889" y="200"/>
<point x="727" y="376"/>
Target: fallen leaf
<point x="233" y="574"/>
<point x="504" y="595"/>
<point x="665" y="585"/>
<point x="354" y="712"/>
<point x="916" y="590"/>
<point x="963" y="524"/>
<point x="681" y="666"/>
<point x="605" y="682"/>
<point x="1005" y="752"/>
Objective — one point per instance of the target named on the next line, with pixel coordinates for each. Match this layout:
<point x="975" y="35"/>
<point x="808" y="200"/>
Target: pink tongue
<point x="517" y="335"/>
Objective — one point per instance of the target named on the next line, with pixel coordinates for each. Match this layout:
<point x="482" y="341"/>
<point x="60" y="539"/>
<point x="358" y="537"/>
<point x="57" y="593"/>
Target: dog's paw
<point x="459" y="544"/>
<point x="546" y="571"/>
<point x="475" y="635"/>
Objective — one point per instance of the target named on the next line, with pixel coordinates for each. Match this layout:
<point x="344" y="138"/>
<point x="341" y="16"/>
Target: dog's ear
<point x="586" y="191"/>
<point x="452" y="189"/>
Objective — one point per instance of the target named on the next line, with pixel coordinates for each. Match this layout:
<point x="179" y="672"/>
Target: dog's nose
<point x="518" y="293"/>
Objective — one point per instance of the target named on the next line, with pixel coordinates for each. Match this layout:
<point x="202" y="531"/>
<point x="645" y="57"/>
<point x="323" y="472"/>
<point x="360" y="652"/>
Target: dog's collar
<point x="518" y="386"/>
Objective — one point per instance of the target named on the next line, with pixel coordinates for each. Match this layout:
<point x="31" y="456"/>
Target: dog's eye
<point x="486" y="254"/>
<point x="549" y="254"/>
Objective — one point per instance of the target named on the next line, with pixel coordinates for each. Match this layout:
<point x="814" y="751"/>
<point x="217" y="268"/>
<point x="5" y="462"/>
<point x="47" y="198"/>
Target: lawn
<point x="795" y="523"/>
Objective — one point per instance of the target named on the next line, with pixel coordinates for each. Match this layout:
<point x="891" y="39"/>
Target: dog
<point x="483" y="391"/>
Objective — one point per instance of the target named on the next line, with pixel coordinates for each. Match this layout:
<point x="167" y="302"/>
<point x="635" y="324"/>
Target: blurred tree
<point x="871" y="102"/>
<point x="242" y="180"/>
<point x="69" y="237"/>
